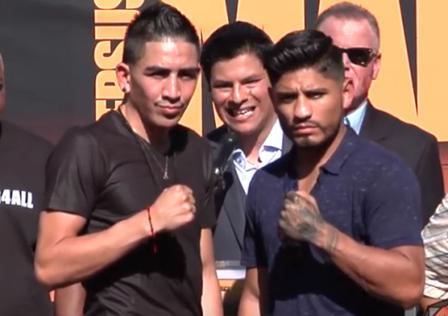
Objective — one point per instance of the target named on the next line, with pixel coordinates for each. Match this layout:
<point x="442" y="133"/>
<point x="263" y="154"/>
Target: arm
<point x="69" y="301"/>
<point x="253" y="301"/>
<point x="63" y="257"/>
<point x="211" y="296"/>
<point x="394" y="274"/>
<point x="430" y="177"/>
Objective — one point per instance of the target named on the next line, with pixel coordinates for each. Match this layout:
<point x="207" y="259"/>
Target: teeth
<point x="241" y="111"/>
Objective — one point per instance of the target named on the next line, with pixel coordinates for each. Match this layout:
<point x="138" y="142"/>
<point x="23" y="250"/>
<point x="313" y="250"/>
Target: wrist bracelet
<point x="152" y="233"/>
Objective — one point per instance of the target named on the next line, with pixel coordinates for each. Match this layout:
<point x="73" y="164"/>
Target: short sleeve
<point x="253" y="254"/>
<point x="208" y="216"/>
<point x="392" y="208"/>
<point x="72" y="174"/>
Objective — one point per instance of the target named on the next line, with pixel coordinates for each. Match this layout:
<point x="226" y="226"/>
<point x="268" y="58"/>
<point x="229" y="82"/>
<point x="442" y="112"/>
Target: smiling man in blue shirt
<point x="333" y="226"/>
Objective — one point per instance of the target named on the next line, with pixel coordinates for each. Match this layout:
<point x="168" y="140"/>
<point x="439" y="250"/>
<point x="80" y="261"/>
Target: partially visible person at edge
<point x="130" y="204"/>
<point x="232" y="61"/>
<point x="332" y="226"/>
<point x="355" y="30"/>
<point x="22" y="168"/>
<point x="435" y="241"/>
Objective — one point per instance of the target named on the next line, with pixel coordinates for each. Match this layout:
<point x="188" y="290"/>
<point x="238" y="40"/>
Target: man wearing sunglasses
<point x="356" y="32"/>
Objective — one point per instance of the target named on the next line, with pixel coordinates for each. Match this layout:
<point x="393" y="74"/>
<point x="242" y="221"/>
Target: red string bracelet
<point x="153" y="235"/>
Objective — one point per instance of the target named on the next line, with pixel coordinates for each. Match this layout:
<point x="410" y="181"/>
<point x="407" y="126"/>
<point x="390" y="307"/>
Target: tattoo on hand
<point x="301" y="219"/>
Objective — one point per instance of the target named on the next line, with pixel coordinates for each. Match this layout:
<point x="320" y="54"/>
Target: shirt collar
<point x="275" y="137"/>
<point x="356" y="117"/>
<point x="336" y="161"/>
<point x="342" y="153"/>
<point x="273" y="141"/>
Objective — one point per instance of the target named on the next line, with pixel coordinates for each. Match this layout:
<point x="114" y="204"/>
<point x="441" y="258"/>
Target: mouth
<point x="171" y="109"/>
<point x="241" y="112"/>
<point x="304" y="129"/>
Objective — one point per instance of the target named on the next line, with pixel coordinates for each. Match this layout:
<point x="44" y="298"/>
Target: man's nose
<point x="172" y="88"/>
<point x="239" y="94"/>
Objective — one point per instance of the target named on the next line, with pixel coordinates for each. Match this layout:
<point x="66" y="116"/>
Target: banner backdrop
<point x="60" y="56"/>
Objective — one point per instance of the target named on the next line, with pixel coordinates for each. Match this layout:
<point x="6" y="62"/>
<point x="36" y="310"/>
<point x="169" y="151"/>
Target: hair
<point x="156" y="22"/>
<point x="232" y="40"/>
<point x="305" y="49"/>
<point x="351" y="11"/>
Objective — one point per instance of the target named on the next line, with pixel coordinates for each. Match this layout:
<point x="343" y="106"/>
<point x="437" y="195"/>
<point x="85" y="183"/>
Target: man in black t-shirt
<point x="130" y="204"/>
<point x="22" y="164"/>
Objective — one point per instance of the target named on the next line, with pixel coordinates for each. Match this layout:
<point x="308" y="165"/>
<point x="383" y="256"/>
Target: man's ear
<point x="123" y="77"/>
<point x="376" y="66"/>
<point x="348" y="91"/>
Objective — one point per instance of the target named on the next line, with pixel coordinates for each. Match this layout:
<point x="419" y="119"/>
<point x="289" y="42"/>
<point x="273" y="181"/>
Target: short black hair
<point x="305" y="49"/>
<point x="232" y="40"/>
<point x="154" y="23"/>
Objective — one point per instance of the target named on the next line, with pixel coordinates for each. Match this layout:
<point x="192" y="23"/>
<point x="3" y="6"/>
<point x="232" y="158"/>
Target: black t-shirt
<point x="105" y="173"/>
<point x="22" y="165"/>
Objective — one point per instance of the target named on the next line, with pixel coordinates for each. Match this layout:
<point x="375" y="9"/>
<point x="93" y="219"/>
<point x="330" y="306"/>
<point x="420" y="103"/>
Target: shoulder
<point x="402" y="129"/>
<point x="14" y="134"/>
<point x="217" y="135"/>
<point x="371" y="163"/>
<point x="189" y="138"/>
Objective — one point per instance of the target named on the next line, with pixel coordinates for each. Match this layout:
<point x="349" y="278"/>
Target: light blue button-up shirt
<point x="356" y="117"/>
<point x="270" y="150"/>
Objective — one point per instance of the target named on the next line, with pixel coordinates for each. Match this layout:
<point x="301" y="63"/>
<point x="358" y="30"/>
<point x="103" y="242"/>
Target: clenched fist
<point x="300" y="218"/>
<point x="174" y="208"/>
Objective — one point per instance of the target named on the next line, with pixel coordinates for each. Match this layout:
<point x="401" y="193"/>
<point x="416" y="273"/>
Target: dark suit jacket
<point x="230" y="205"/>
<point x="417" y="148"/>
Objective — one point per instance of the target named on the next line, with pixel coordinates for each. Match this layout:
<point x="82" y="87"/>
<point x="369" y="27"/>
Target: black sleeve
<point x="72" y="174"/>
<point x="430" y="178"/>
<point x="208" y="218"/>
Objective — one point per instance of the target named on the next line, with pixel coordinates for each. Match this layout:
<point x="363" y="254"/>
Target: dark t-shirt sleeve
<point x="392" y="208"/>
<point x="208" y="218"/>
<point x="71" y="172"/>
<point x="253" y="254"/>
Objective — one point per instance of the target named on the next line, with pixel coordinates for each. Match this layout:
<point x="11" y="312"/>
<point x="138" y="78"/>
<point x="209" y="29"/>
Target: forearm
<point x="253" y="298"/>
<point x="249" y="306"/>
<point x="75" y="258"/>
<point x="394" y="275"/>
<point x="211" y="295"/>
<point x="69" y="301"/>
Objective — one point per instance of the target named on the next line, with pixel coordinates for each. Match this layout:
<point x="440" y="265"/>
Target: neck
<point x="157" y="137"/>
<point x="251" y="144"/>
<point x="309" y="160"/>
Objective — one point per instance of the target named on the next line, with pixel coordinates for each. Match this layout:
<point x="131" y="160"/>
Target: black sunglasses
<point x="360" y="56"/>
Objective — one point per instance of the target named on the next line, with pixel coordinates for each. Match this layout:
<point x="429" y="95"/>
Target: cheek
<point x="188" y="89"/>
<point x="284" y="113"/>
<point x="219" y="99"/>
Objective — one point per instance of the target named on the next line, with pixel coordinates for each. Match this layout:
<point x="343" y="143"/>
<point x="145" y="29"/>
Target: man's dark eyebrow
<point x="190" y="70"/>
<point x="286" y="94"/>
<point x="159" y="68"/>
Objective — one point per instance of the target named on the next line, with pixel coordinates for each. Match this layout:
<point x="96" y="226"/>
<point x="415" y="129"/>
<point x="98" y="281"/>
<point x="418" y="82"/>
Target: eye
<point x="251" y="82"/>
<point x="157" y="74"/>
<point x="189" y="74"/>
<point x="286" y="98"/>
<point x="221" y="85"/>
<point x="314" y="95"/>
